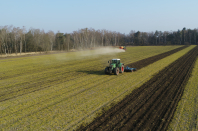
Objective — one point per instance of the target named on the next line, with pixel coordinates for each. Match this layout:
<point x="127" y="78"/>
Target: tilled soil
<point x="151" y="106"/>
<point x="144" y="62"/>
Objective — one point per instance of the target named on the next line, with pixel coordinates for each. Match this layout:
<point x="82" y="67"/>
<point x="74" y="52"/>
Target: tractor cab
<point x="114" y="62"/>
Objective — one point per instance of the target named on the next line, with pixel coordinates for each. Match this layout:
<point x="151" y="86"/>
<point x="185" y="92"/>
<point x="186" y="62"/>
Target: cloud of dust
<point x="86" y="53"/>
<point x="102" y="51"/>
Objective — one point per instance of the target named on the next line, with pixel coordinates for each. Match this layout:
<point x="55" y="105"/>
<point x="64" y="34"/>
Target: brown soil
<point x="144" y="62"/>
<point x="151" y="106"/>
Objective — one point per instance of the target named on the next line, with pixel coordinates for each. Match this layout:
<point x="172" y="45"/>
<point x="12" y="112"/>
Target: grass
<point x="61" y="91"/>
<point x="185" y="117"/>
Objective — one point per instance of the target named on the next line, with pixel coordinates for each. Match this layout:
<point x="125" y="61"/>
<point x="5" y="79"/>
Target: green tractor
<point x="114" y="67"/>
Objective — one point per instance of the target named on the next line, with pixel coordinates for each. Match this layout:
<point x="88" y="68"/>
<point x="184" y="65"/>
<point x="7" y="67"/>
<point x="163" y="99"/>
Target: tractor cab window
<point x="114" y="61"/>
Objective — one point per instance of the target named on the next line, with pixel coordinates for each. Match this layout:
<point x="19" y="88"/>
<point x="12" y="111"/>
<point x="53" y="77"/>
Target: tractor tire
<point x="106" y="71"/>
<point x="122" y="69"/>
<point x="110" y="71"/>
<point x="116" y="71"/>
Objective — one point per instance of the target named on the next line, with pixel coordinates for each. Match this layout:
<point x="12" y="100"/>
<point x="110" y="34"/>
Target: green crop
<point x="62" y="91"/>
<point x="185" y="117"/>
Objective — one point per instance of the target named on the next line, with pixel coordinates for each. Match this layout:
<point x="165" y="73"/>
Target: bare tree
<point x="21" y="36"/>
<point x="102" y="36"/>
<point x="92" y="37"/>
<point x="24" y="32"/>
<point x="46" y="41"/>
<point x="131" y="37"/>
<point x="15" y="37"/>
<point x="165" y="36"/>
<point x="37" y="37"/>
<point x="0" y="41"/>
<point x="75" y="39"/>
<point x="195" y="34"/>
<point x="68" y="41"/>
<point x="115" y="36"/>
<point x="190" y="36"/>
<point x="51" y="36"/>
<point x="3" y="36"/>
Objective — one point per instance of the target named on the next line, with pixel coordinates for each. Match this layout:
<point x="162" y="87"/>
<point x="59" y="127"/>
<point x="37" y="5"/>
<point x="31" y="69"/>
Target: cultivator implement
<point x="128" y="69"/>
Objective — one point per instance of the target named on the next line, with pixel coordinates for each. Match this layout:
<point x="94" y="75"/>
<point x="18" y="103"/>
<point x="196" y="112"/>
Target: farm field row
<point x="186" y="115"/>
<point x="61" y="91"/>
<point x="33" y="73"/>
<point x="152" y="105"/>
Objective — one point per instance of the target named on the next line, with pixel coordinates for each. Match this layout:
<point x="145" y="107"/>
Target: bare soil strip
<point x="151" y="106"/>
<point x="144" y="62"/>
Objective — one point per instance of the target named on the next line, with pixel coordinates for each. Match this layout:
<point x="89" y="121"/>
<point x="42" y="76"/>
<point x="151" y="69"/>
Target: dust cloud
<point x="102" y="51"/>
<point x="87" y="53"/>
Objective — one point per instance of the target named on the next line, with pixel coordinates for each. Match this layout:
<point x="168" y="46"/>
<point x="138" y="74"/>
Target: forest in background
<point x="18" y="40"/>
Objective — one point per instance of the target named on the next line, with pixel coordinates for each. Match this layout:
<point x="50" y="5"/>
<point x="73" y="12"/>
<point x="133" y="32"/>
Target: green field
<point x="185" y="118"/>
<point x="62" y="91"/>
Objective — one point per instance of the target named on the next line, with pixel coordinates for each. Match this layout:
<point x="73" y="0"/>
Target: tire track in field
<point x="54" y="103"/>
<point x="22" y="72"/>
<point x="155" y="99"/>
<point x="151" y="106"/>
<point x="51" y="97"/>
<point x="124" y="103"/>
<point x="57" y="77"/>
<point x="63" y="82"/>
<point x="38" y="69"/>
<point x="153" y="59"/>
<point x="92" y="66"/>
<point x="38" y="85"/>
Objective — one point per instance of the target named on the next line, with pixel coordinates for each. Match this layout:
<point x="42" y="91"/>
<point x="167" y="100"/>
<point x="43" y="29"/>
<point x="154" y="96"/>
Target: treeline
<point x="18" y="40"/>
<point x="180" y="37"/>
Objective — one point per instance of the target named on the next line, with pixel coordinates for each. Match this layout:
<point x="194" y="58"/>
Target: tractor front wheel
<point x="116" y="71"/>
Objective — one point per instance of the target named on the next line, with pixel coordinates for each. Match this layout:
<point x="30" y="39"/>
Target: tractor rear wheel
<point x="106" y="70"/>
<point x="116" y="71"/>
<point x="122" y="69"/>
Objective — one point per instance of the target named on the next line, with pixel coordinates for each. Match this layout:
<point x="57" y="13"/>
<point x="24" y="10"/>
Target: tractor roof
<point x="115" y="59"/>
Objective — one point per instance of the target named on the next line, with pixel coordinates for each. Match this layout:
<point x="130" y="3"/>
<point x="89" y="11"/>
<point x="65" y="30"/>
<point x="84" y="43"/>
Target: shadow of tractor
<point x="99" y="72"/>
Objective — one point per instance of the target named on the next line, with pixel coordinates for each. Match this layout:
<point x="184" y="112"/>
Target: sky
<point x="121" y="16"/>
